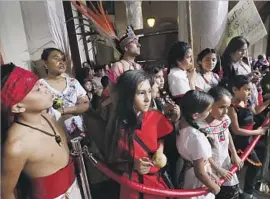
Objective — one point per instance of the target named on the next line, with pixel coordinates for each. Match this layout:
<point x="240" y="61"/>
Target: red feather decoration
<point x="99" y="18"/>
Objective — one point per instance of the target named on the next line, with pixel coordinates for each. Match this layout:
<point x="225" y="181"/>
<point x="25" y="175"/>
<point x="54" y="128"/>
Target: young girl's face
<point x="243" y="93"/>
<point x="209" y="62"/>
<point x="142" y="97"/>
<point x="160" y="79"/>
<point x="88" y="86"/>
<point x="220" y="108"/>
<point x="154" y="91"/>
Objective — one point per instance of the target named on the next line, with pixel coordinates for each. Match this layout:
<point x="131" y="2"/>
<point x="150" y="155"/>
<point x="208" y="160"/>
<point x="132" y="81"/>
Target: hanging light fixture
<point x="151" y="20"/>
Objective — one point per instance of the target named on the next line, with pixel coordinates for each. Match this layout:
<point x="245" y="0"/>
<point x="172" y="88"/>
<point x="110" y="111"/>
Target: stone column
<point x="182" y="21"/>
<point x="209" y="20"/>
<point x="134" y="14"/>
<point x="14" y="47"/>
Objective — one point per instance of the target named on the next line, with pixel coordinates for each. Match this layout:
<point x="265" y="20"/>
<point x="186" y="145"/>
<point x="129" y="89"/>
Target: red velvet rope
<point x="169" y="192"/>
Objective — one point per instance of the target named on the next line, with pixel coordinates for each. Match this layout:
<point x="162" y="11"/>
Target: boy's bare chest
<point x="46" y="156"/>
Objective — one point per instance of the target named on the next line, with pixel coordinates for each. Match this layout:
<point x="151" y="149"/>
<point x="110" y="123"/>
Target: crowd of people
<point x="174" y="126"/>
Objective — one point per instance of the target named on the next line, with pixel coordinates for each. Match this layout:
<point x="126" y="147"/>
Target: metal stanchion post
<point x="78" y="153"/>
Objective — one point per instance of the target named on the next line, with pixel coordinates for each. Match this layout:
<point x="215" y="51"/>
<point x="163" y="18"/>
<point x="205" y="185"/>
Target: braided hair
<point x="195" y="101"/>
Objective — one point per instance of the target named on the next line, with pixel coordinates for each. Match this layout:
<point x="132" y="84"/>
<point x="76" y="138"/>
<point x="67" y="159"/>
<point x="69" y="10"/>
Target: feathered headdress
<point x="103" y="25"/>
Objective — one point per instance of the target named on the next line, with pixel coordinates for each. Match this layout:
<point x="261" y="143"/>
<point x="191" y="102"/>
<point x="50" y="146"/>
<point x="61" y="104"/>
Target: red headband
<point x="19" y="83"/>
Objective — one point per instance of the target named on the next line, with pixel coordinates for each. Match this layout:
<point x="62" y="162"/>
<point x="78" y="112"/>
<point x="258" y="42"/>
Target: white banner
<point x="244" y="20"/>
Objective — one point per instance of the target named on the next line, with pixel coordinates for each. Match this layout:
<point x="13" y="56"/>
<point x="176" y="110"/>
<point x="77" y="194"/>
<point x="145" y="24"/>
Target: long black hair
<point x="124" y="117"/>
<point x="177" y="53"/>
<point x="195" y="101"/>
<point x="6" y="70"/>
<point x="151" y="70"/>
<point x="235" y="44"/>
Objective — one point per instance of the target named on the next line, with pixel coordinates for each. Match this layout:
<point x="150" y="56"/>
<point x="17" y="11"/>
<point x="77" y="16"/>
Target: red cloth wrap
<point x="54" y="185"/>
<point x="154" y="126"/>
<point x="19" y="83"/>
<point x="183" y="193"/>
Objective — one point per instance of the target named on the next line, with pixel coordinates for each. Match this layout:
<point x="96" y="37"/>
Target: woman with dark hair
<point x="133" y="137"/>
<point x="70" y="99"/>
<point x="179" y="63"/>
<point x="35" y="147"/>
<point x="233" y="64"/>
<point x="205" y="78"/>
<point x="231" y="59"/>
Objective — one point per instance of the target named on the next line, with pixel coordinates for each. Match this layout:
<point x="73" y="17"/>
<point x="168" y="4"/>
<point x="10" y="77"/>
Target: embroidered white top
<point x="69" y="96"/>
<point x="219" y="132"/>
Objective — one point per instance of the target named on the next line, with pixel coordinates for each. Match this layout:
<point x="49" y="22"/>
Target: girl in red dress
<point x="134" y="135"/>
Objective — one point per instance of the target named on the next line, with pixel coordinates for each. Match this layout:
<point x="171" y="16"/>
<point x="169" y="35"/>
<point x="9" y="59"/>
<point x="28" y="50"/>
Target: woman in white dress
<point x="205" y="78"/>
<point x="193" y="145"/>
<point x="68" y="91"/>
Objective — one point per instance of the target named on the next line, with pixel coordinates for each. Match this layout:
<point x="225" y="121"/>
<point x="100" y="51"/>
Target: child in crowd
<point x="241" y="114"/>
<point x="131" y="140"/>
<point x="193" y="145"/>
<point x="171" y="111"/>
<point x="105" y="105"/>
<point x="216" y="126"/>
<point x="181" y="77"/>
<point x="88" y="86"/>
<point x="205" y="78"/>
<point x="105" y="85"/>
<point x="35" y="154"/>
<point x="99" y="73"/>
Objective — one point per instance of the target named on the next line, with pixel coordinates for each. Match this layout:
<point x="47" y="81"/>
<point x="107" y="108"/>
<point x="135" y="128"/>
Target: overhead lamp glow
<point x="151" y="22"/>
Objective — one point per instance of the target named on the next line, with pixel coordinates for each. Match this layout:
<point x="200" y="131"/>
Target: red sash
<point x="54" y="185"/>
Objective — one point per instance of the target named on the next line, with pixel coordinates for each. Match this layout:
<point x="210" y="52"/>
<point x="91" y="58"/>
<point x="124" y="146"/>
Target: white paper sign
<point x="244" y="20"/>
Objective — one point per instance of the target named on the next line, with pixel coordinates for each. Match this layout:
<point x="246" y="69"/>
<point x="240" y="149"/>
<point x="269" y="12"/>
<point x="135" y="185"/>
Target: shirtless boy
<point x="34" y="145"/>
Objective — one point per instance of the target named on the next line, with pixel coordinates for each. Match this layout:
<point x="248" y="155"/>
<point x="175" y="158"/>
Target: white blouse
<point x="193" y="145"/>
<point x="219" y="132"/>
<point x="178" y="82"/>
<point x="69" y="96"/>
